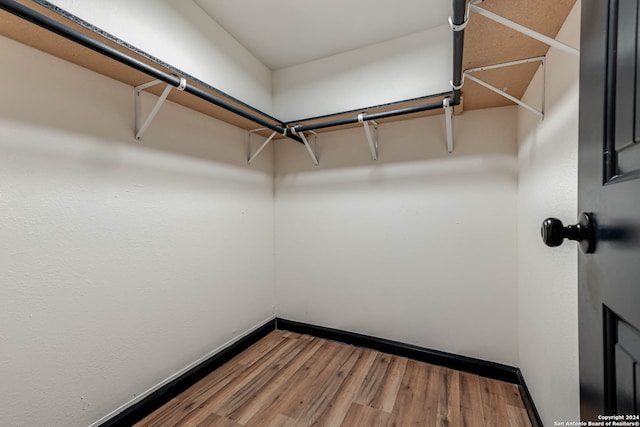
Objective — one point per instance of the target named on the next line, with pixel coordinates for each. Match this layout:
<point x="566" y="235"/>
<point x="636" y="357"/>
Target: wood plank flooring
<point x="288" y="379"/>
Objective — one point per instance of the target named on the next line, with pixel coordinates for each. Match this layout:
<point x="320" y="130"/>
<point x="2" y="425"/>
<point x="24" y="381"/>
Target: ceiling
<point x="283" y="33"/>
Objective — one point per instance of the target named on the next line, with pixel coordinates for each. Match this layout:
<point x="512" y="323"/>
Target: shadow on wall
<point x="421" y="177"/>
<point x="560" y="122"/>
<point x="41" y="91"/>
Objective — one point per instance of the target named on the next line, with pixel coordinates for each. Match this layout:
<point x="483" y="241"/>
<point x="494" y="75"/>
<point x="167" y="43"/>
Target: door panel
<point x="637" y="383"/>
<point x="625" y="388"/>
<point x="609" y="187"/>
<point x="625" y="63"/>
<point x="622" y="115"/>
<point x="624" y="349"/>
<point x="628" y="162"/>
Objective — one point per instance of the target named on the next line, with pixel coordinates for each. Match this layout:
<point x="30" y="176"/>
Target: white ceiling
<point x="282" y="33"/>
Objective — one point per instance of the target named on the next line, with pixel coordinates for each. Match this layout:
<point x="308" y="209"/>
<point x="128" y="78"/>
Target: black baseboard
<point x="534" y="416"/>
<point x="460" y="363"/>
<point x="155" y="400"/>
<point x="497" y="371"/>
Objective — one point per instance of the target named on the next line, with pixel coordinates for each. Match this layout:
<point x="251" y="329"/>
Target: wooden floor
<point x="288" y="379"/>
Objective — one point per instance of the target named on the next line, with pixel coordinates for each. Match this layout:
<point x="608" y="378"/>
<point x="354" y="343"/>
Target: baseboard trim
<point x="435" y="357"/>
<point x="164" y="394"/>
<point x="534" y="416"/>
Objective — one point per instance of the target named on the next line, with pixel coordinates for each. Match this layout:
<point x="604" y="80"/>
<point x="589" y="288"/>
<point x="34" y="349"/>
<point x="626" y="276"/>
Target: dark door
<point x="609" y="181"/>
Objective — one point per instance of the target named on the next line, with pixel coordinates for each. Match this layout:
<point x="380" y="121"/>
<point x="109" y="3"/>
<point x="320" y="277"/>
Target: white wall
<point x="418" y="247"/>
<point x="547" y="294"/>
<point x="121" y="263"/>
<point x="179" y="33"/>
<point x="408" y="67"/>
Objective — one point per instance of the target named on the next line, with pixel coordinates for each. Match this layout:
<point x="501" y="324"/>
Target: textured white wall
<point x="418" y="247"/>
<point x="547" y="296"/>
<point x="180" y="33"/>
<point x="121" y="263"/>
<point x="404" y="68"/>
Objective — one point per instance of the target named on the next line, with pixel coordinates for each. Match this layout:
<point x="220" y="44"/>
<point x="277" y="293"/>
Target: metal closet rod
<point x="367" y="117"/>
<point x="458" y="19"/>
<point x="77" y="37"/>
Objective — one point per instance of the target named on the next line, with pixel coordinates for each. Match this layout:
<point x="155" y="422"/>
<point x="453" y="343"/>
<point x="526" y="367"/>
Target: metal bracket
<point x="541" y="59"/>
<point x="448" y="115"/>
<point x="373" y="140"/>
<point x="460" y="27"/>
<point x="142" y="127"/>
<point x="251" y="157"/>
<point x="522" y="29"/>
<point x="312" y="152"/>
<point x="454" y="87"/>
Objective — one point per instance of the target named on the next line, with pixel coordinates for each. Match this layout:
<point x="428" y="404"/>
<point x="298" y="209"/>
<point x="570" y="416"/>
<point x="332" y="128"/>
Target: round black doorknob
<point x="554" y="232"/>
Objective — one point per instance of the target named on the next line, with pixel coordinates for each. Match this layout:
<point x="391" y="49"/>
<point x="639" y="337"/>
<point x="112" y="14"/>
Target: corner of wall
<point x="547" y="278"/>
<point x="378" y="244"/>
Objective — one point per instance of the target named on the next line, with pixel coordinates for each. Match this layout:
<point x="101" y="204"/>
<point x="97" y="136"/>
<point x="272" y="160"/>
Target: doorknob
<point x="554" y="232"/>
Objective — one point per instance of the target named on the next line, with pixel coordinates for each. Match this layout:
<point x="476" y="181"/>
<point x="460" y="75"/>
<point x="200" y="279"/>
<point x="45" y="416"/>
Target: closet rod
<point x="82" y="39"/>
<point x="366" y="117"/>
<point x="458" y="22"/>
<point x="459" y="19"/>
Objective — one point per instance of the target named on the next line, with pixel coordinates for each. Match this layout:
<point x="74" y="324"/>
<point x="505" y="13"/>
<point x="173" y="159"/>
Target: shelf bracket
<point x="373" y="140"/>
<point x="541" y="59"/>
<point x="313" y="152"/>
<point x="448" y="115"/>
<point x="521" y="28"/>
<point x="140" y="126"/>
<point x="251" y="157"/>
